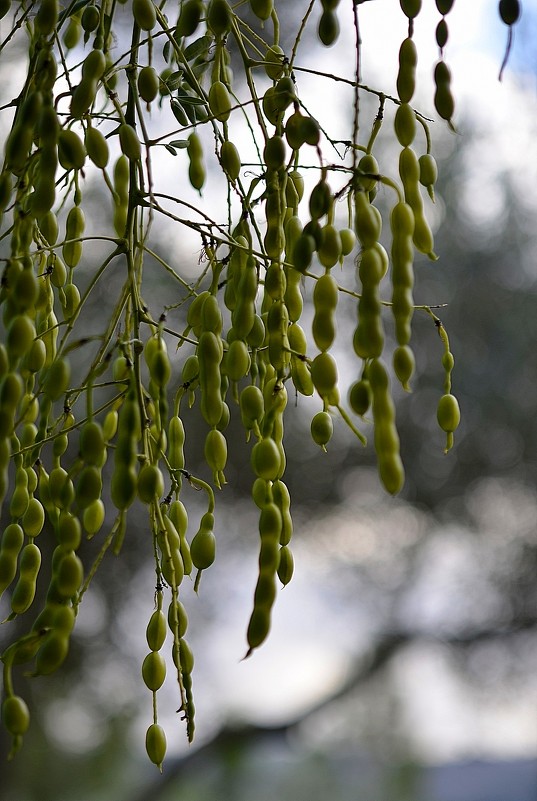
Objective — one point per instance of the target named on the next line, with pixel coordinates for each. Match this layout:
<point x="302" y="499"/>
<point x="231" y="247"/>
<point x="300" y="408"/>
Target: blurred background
<point x="402" y="659"/>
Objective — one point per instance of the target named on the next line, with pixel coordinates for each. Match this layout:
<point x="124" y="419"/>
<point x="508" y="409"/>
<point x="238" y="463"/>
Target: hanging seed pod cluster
<point x="76" y="456"/>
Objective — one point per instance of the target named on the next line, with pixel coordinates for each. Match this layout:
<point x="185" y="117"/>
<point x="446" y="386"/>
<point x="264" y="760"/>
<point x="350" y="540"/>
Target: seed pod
<point x="154" y="670"/>
<point x="46" y="18"/>
<point x="218" y="17"/>
<point x="71" y="151"/>
<point x="386" y="438"/>
<point x="33" y="518"/>
<point x="328" y="29"/>
<point x="69" y="575"/>
<point x="203" y="545"/>
<point x="144" y="14"/>
<point x="155" y="744"/>
<point x="405" y="124"/>
<point x="274" y="62"/>
<point x="96" y="147"/>
<point x="360" y="396"/>
<point x="262" y="8"/>
<point x="509" y="11"/>
<point x="322" y="429"/>
<point x="10" y="547"/>
<point x="274" y="153"/>
<point x="230" y="160"/>
<point x="219" y="101"/>
<point x="411" y="8"/>
<point x="93" y="517"/>
<point x="15" y="715"/>
<point x="189" y="18"/>
<point x="406" y="78"/>
<point x="24" y="592"/>
<point x="325" y="377"/>
<point x="128" y="140"/>
<point x="148" y="83"/>
<point x="196" y="170"/>
<point x="443" y="99"/>
<point x="156" y="630"/>
<point x="404" y="365"/>
<point x="285" y="565"/>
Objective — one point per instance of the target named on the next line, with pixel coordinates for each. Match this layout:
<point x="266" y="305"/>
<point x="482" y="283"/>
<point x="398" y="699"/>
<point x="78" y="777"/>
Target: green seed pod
<point x="90" y="18"/>
<point x="348" y="241"/>
<point x="320" y="200"/>
<point x="274" y="153"/>
<point x="92" y="444"/>
<point x="286" y="565"/>
<point x="322" y="429"/>
<point x="89" y="486"/>
<point x="10" y="547"/>
<point x="46" y="18"/>
<point x="156" y="630"/>
<point x="57" y="379"/>
<point x="330" y="249"/>
<point x="237" y="360"/>
<point x="386" y="438"/>
<point x="178" y="609"/>
<point x="69" y="531"/>
<point x="93" y="69"/>
<point x="448" y="413"/>
<point x="154" y="670"/>
<point x="15" y="715"/>
<point x="203" y="548"/>
<point x="262" y="8"/>
<point x="274" y="62"/>
<point x="325" y="377"/>
<point x="428" y="173"/>
<point x="219" y="101"/>
<point x="219" y="17"/>
<point x="196" y="170"/>
<point x="406" y="78"/>
<point x="155" y="744"/>
<point x="328" y="29"/>
<point x="230" y="160"/>
<point x="360" y="396"/>
<point x="69" y="575"/>
<point x="216" y="454"/>
<point x="404" y="365"/>
<point x="150" y="483"/>
<point x="144" y="14"/>
<point x="405" y="124"/>
<point x="443" y="99"/>
<point x="128" y="140"/>
<point x="20" y="337"/>
<point x="303" y="251"/>
<point x="93" y="517"/>
<point x="266" y="459"/>
<point x="189" y="18"/>
<point x="444" y="6"/>
<point x="96" y="147"/>
<point x="148" y="84"/>
<point x="33" y="518"/>
<point x="24" y="592"/>
<point x="71" y="151"/>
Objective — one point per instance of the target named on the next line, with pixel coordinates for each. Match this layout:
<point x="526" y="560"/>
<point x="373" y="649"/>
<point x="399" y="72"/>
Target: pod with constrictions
<point x="270" y="529"/>
<point x="386" y="438"/>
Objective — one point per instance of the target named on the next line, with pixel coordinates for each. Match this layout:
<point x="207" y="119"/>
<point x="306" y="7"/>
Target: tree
<point x="87" y="315"/>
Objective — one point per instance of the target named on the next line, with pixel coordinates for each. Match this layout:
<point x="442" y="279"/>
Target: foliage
<point x="76" y="390"/>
